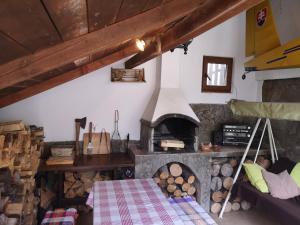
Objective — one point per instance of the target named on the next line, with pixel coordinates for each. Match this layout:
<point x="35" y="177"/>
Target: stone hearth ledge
<point x="148" y="163"/>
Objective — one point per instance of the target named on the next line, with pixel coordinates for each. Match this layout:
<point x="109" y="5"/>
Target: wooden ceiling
<point x="44" y="43"/>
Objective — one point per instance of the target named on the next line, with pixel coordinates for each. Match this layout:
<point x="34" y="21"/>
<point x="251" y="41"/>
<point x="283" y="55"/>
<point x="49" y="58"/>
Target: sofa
<point x="286" y="212"/>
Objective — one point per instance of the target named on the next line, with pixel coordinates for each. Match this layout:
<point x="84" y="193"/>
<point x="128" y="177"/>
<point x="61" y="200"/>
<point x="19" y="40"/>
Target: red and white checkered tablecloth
<point x="131" y="202"/>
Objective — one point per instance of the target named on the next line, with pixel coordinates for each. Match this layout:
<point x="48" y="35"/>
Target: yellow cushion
<point x="255" y="176"/>
<point x="295" y="174"/>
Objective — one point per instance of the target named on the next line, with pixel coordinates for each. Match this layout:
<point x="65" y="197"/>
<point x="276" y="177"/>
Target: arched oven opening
<point x="172" y="133"/>
<point x="179" y="131"/>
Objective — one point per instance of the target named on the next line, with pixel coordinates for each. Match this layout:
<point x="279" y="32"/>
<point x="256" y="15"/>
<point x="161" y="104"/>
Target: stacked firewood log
<point x="221" y="182"/>
<point x="175" y="181"/>
<point x="222" y="173"/>
<point x="79" y="184"/>
<point x="20" y="150"/>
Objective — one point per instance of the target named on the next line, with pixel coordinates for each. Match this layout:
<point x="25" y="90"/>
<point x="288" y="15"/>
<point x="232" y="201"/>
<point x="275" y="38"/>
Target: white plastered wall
<point x="94" y="96"/>
<point x="225" y="40"/>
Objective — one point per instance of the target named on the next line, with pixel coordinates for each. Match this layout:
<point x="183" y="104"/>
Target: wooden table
<point x="85" y="163"/>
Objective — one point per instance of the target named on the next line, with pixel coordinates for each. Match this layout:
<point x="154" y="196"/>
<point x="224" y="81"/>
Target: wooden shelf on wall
<point x="127" y="75"/>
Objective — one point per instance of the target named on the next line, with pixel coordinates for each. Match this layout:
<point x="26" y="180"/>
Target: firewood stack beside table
<point x="20" y="150"/>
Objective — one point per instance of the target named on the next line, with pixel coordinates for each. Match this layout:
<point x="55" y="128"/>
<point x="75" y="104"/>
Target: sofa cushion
<point x="254" y="174"/>
<point x="281" y="185"/>
<point x="295" y="174"/>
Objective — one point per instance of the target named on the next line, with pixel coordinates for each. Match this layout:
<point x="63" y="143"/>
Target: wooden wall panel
<point x="69" y="16"/>
<point x="131" y="8"/>
<point x="27" y="22"/>
<point x="102" y="13"/>
<point x="9" y="49"/>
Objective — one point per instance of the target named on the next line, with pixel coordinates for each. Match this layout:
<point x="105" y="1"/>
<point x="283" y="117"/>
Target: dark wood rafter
<point x="54" y="57"/>
<point x="211" y="14"/>
<point x="20" y="93"/>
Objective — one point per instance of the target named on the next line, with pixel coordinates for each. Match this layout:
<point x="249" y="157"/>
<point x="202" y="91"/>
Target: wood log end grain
<point x="179" y="180"/>
<point x="191" y="179"/>
<point x="171" y="180"/>
<point x="245" y="205"/>
<point x="175" y="169"/>
<point x="227" y="182"/>
<point x="228" y="207"/>
<point x="233" y="162"/>
<point x="191" y="191"/>
<point x="217" y="196"/>
<point x="185" y="187"/>
<point x="215" y="207"/>
<point x="215" y="170"/>
<point x="226" y="170"/>
<point x="235" y="206"/>
<point x="216" y="184"/>
<point x="171" y="188"/>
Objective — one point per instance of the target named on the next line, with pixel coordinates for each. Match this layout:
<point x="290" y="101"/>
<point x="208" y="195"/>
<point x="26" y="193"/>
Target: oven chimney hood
<point x="273" y="35"/>
<point x="168" y="99"/>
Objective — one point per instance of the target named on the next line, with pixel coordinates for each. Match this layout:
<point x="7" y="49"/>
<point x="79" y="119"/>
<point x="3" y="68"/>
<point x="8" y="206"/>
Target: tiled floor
<point x="251" y="217"/>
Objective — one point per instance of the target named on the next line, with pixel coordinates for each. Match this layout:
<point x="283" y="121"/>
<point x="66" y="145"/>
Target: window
<point x="216" y="74"/>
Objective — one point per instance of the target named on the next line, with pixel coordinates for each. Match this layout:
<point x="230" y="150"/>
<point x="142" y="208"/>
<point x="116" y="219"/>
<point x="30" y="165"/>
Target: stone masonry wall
<point x="286" y="133"/>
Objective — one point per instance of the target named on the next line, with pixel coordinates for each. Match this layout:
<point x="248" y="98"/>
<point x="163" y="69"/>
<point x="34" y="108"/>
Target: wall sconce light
<point x="248" y="70"/>
<point x="147" y="41"/>
<point x="184" y="46"/>
<point x="140" y="44"/>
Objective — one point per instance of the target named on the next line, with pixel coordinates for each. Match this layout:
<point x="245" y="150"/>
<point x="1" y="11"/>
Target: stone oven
<point x="168" y="116"/>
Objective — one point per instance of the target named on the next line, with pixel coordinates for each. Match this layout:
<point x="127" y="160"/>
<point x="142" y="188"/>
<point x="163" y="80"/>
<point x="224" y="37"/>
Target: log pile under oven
<point x="176" y="181"/>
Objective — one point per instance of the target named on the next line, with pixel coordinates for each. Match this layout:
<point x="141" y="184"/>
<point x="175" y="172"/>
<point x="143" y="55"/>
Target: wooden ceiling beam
<point x="211" y="14"/>
<point x="67" y="52"/>
<point x="67" y="76"/>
